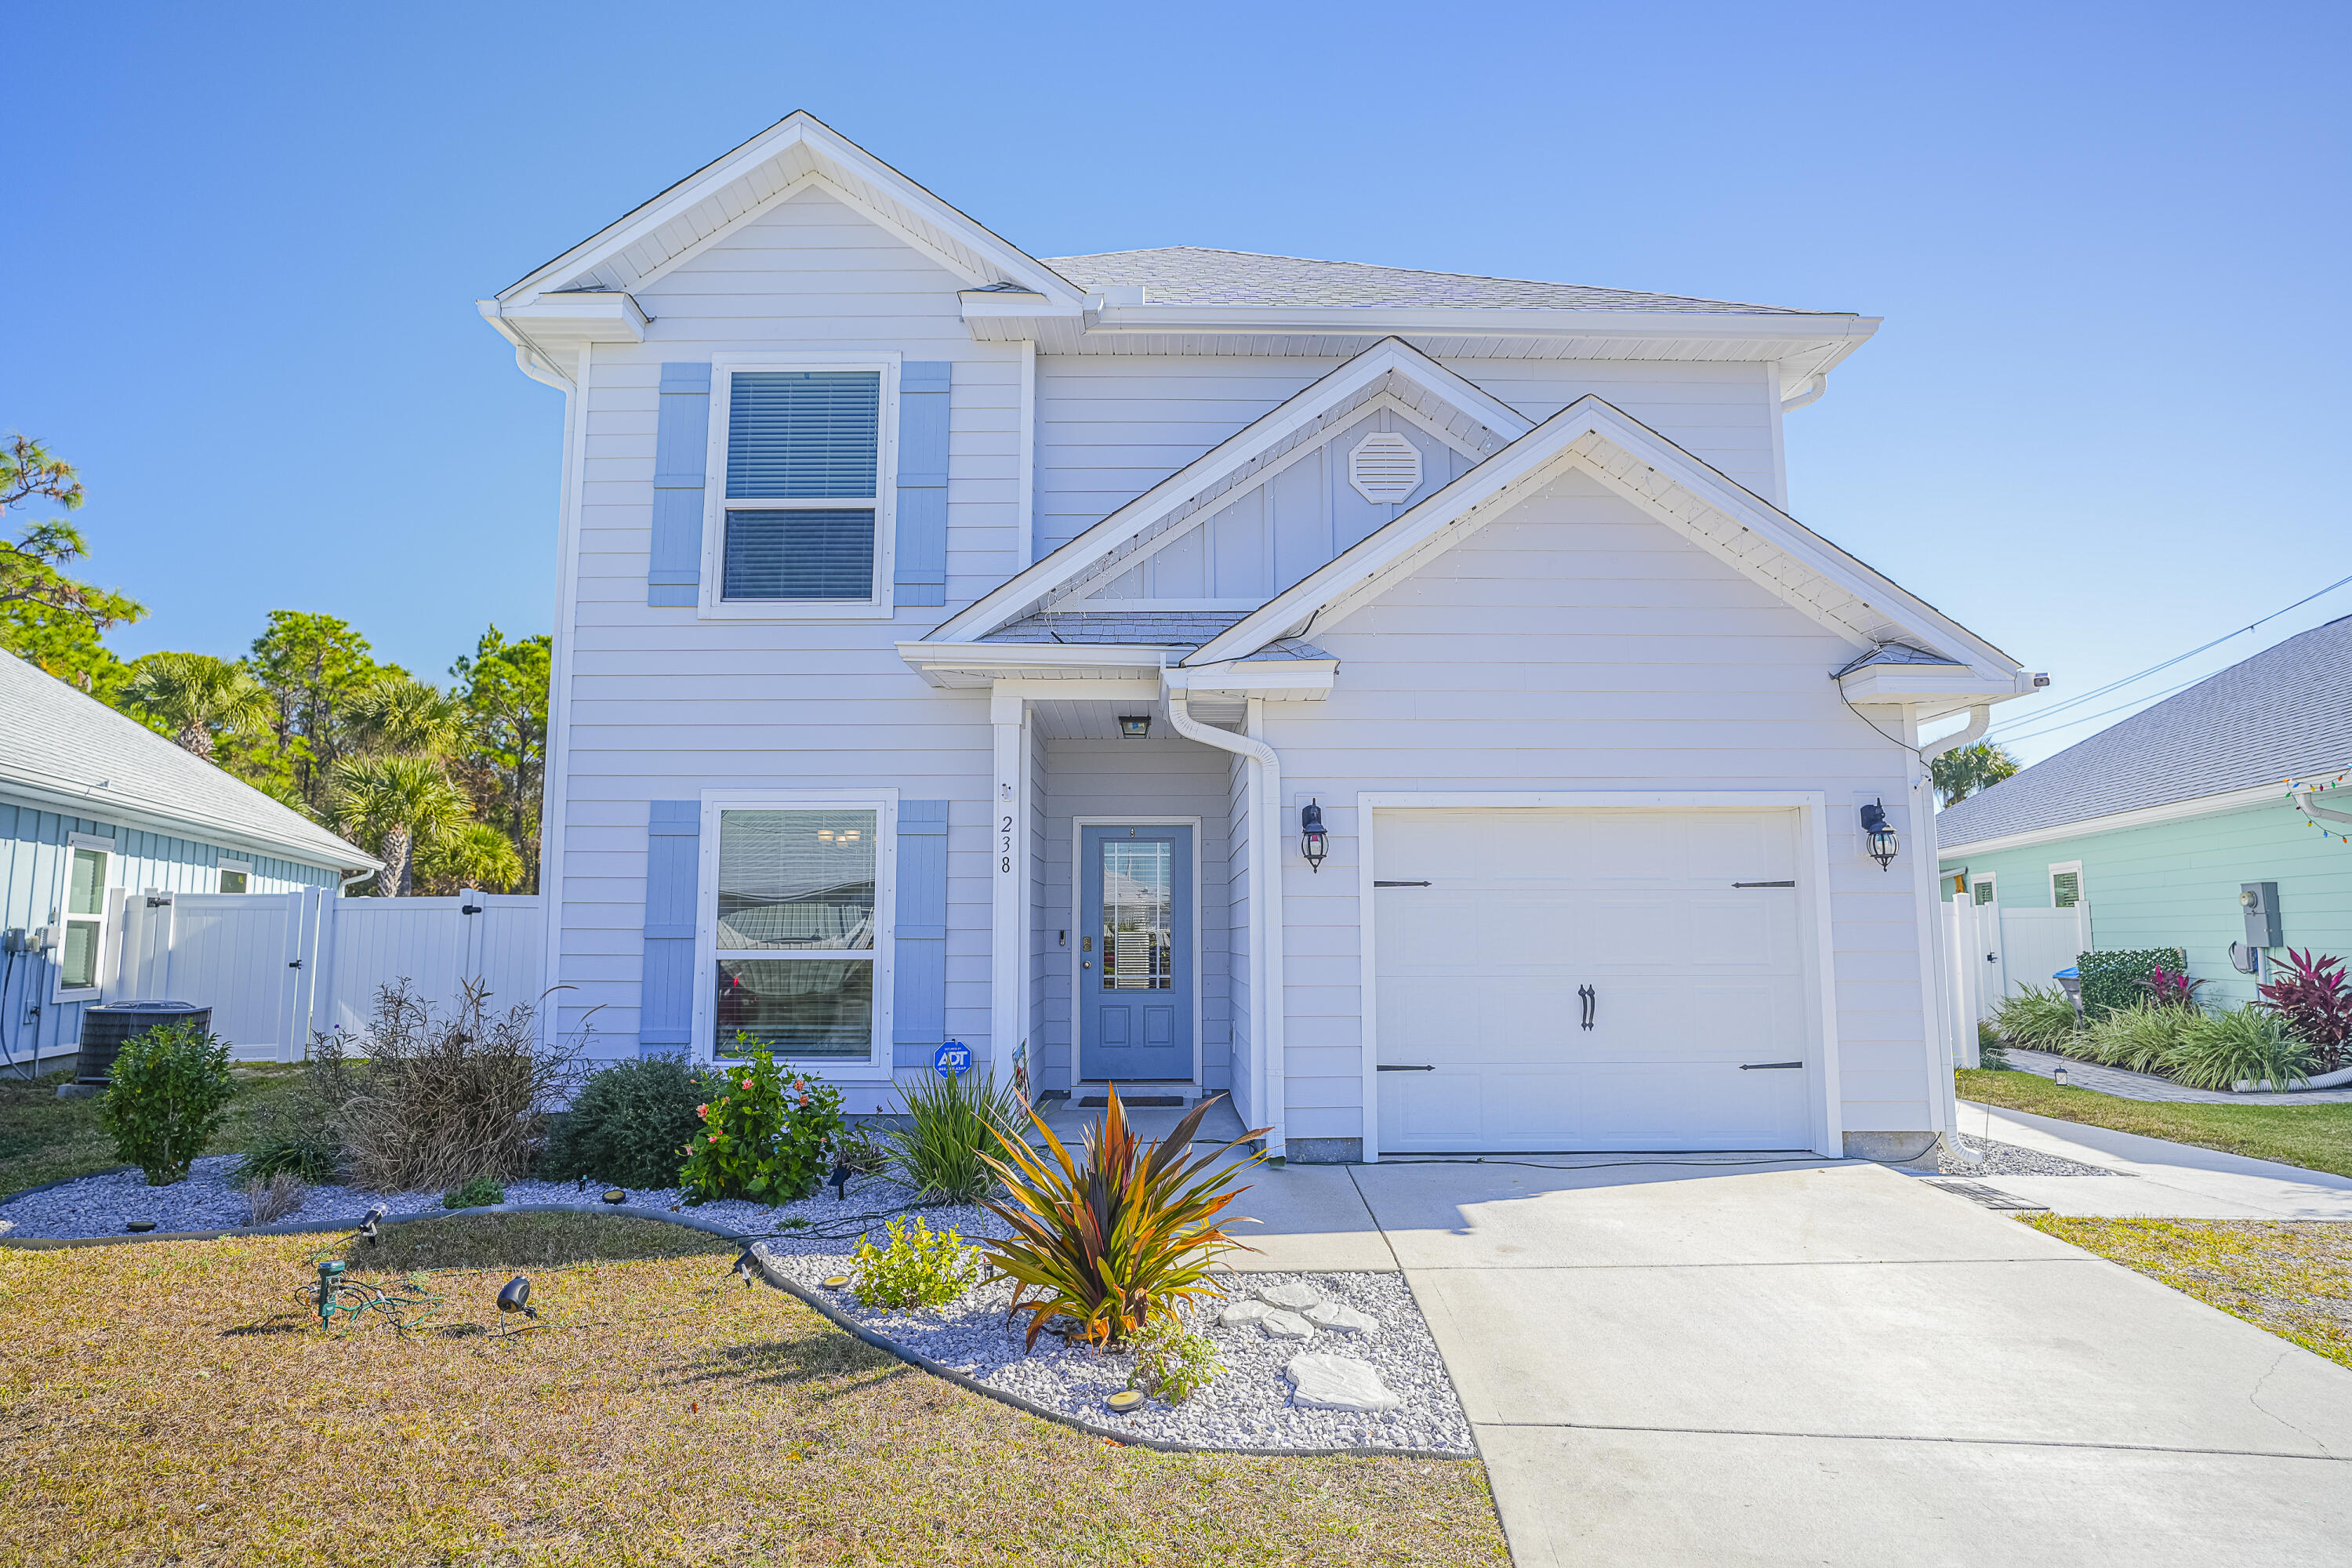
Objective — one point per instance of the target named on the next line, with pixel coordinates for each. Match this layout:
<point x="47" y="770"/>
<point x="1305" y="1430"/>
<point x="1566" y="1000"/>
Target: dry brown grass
<point x="2290" y="1276"/>
<point x="170" y="1403"/>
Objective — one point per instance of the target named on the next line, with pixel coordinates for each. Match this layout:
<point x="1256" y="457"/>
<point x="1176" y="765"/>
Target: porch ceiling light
<point x="1135" y="726"/>
<point x="1313" y="842"/>
<point x="1878" y="836"/>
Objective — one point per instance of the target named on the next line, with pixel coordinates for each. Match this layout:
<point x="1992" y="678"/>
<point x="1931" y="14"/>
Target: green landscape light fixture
<point x="1878" y="836"/>
<point x="1135" y="726"/>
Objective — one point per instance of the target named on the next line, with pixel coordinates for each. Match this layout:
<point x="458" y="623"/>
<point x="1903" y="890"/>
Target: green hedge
<point x="2111" y="981"/>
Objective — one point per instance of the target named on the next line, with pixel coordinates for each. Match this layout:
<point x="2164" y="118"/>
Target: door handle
<point x="1592" y="1003"/>
<point x="1431" y="1067"/>
<point x="1769" y="1067"/>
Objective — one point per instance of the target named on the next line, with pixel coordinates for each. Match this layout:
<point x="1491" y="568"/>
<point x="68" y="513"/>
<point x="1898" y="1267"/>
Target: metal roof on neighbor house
<point x="1191" y="275"/>
<point x="63" y="746"/>
<point x="1120" y="629"/>
<point x="2284" y="714"/>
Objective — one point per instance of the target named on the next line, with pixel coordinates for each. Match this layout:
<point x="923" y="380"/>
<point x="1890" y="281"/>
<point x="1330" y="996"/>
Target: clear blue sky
<point x="2105" y="419"/>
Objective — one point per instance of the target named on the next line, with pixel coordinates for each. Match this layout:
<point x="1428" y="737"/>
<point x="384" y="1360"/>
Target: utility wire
<point x="2140" y="702"/>
<point x="2111" y="685"/>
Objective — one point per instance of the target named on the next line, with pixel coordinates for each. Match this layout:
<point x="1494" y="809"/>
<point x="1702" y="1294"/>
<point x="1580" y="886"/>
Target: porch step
<point x="1139" y="1101"/>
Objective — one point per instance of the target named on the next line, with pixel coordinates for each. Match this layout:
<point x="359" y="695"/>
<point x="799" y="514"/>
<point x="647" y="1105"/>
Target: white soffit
<point x="1471" y="418"/>
<point x="1661" y="479"/>
<point x="626" y="254"/>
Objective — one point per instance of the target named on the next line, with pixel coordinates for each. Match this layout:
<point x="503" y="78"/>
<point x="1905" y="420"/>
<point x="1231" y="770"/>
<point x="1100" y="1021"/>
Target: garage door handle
<point x="1592" y="1000"/>
<point x="1385" y="1067"/>
<point x="1378" y="884"/>
<point x="1769" y="1067"/>
<point x="1763" y="884"/>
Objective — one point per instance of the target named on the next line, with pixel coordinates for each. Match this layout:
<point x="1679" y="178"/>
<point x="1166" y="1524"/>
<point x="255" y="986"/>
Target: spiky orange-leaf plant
<point x="1120" y="1239"/>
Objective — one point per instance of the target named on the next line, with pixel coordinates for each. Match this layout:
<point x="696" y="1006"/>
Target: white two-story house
<point x="1402" y="700"/>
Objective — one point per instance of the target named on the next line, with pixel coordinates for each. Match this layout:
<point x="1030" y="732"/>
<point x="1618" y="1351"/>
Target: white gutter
<point x="1265" y="898"/>
<point x="1967" y="735"/>
<point x="1960" y="1049"/>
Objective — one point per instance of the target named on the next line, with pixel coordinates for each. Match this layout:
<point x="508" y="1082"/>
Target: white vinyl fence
<point x="1994" y="953"/>
<point x="279" y="969"/>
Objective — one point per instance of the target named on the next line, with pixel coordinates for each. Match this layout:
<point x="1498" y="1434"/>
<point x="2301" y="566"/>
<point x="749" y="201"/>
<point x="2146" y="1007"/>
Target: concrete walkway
<point x="2147" y="1086"/>
<point x="2153" y="1177"/>
<point x="1822" y="1361"/>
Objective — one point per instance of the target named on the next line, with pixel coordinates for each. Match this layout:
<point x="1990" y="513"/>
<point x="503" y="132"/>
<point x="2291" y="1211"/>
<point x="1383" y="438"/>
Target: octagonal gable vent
<point x="1384" y="467"/>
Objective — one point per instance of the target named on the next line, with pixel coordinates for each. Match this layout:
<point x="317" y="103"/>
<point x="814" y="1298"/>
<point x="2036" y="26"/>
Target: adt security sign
<point x="954" y="1060"/>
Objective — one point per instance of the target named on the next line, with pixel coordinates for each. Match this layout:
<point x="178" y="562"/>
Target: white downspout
<point x="1961" y="1049"/>
<point x="1265" y="909"/>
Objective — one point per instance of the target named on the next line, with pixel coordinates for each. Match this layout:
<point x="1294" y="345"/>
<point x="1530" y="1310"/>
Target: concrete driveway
<point x="1830" y="1363"/>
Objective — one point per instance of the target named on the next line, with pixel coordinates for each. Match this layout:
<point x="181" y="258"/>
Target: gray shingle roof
<point x="2284" y="713"/>
<point x="1140" y="629"/>
<point x="62" y="744"/>
<point x="1191" y="275"/>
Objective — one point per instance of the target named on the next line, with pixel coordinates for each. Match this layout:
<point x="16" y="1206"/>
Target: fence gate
<point x="279" y="968"/>
<point x="1994" y="953"/>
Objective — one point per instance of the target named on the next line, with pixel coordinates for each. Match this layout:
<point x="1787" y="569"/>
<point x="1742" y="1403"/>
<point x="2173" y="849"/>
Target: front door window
<point x="1137" y="890"/>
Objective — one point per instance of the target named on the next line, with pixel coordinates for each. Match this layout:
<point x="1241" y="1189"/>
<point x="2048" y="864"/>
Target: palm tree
<point x="197" y="694"/>
<point x="400" y="803"/>
<point x="402" y="714"/>
<point x="1963" y="771"/>
<point x="475" y="855"/>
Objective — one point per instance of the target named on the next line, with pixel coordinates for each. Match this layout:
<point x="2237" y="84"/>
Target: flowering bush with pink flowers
<point x="766" y="1137"/>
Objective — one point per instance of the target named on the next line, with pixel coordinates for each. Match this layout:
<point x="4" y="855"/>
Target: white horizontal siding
<point x="1573" y="644"/>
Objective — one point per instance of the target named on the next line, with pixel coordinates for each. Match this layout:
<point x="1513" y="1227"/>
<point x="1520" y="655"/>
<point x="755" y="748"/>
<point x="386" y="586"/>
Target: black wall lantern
<point x="1878" y="834"/>
<point x="1135" y="726"/>
<point x="1313" y="841"/>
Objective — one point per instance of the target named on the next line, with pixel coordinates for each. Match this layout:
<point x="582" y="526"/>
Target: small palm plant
<point x="197" y="695"/>
<point x="401" y="803"/>
<point x="1117" y="1241"/>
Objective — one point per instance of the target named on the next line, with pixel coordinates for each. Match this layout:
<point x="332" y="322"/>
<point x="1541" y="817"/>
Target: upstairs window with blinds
<point x="804" y="486"/>
<point x="2066" y="885"/>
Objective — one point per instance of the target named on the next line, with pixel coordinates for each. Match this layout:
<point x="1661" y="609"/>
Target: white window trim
<point x="884" y="804"/>
<point x="882" y="604"/>
<point x="2081" y="894"/>
<point x="59" y="991"/>
<point x="1983" y="880"/>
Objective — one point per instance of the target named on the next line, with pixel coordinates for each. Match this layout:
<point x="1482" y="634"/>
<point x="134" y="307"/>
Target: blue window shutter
<point x="919" y="998"/>
<point x="921" y="565"/>
<point x="681" y="449"/>
<point x="673" y="864"/>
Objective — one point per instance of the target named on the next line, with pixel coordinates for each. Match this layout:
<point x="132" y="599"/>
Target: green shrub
<point x="630" y="1123"/>
<point x="170" y="1094"/>
<point x="2247" y="1045"/>
<point x="921" y="1267"/>
<point x="2145" y="1038"/>
<point x="307" y="1153"/>
<point x="766" y="1136"/>
<point x="299" y="1131"/>
<point x="2114" y="981"/>
<point x="479" y="1193"/>
<point x="2037" y="1018"/>
<point x="1991" y="1054"/>
<point x="1174" y="1362"/>
<point x="952" y="1128"/>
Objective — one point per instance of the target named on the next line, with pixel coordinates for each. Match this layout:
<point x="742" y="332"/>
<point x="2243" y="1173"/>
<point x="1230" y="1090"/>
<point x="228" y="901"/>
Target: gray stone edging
<point x="840" y="1319"/>
<point x="317" y="1227"/>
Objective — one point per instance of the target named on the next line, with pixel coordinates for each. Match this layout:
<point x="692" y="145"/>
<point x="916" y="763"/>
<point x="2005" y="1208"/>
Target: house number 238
<point x="1004" y="848"/>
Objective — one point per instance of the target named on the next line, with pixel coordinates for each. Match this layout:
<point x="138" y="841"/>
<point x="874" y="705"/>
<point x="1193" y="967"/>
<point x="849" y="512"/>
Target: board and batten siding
<point x="1111" y="427"/>
<point x="2175" y="884"/>
<point x="663" y="705"/>
<point x="34" y="857"/>
<point x="1155" y="780"/>
<point x="1573" y="644"/>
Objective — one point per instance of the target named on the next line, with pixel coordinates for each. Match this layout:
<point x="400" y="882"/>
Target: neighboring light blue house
<point x="2159" y="824"/>
<point x="91" y="801"/>
<point x="952" y="644"/>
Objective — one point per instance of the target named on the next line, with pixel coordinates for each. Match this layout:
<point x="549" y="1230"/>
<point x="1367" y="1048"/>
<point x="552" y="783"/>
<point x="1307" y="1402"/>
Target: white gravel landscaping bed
<point x="1250" y="1405"/>
<point x="103" y="1206"/>
<point x="1998" y="1159"/>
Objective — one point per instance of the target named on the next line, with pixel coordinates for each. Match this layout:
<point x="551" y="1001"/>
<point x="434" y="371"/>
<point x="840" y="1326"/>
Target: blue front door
<point x="1135" y="954"/>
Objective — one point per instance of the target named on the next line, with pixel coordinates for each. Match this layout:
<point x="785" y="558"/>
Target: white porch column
<point x="1008" y="866"/>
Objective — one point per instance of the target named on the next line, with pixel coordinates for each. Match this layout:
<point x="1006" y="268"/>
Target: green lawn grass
<point x="176" y="1402"/>
<point x="45" y="1139"/>
<point x="2317" y="1137"/>
<point x="2292" y="1278"/>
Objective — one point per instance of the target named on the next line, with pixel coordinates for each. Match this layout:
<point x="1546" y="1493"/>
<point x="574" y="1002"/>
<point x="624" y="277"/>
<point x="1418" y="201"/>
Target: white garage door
<point x="1588" y="979"/>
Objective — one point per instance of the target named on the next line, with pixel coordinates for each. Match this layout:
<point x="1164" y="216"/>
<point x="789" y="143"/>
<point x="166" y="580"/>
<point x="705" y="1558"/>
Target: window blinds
<point x="804" y="435"/>
<point x="811" y="554"/>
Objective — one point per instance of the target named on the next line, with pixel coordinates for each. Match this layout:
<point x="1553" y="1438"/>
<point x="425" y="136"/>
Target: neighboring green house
<point x="2160" y="821"/>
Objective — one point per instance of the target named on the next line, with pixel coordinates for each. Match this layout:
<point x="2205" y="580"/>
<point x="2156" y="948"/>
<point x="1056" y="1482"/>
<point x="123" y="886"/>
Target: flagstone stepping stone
<point x="1341" y="1319"/>
<point x="1287" y="1326"/>
<point x="1338" y="1382"/>
<point x="1296" y="1297"/>
<point x="1242" y="1314"/>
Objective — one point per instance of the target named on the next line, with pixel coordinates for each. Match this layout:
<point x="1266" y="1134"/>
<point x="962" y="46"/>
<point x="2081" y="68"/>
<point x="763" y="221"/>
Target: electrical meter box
<point x="2260" y="902"/>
